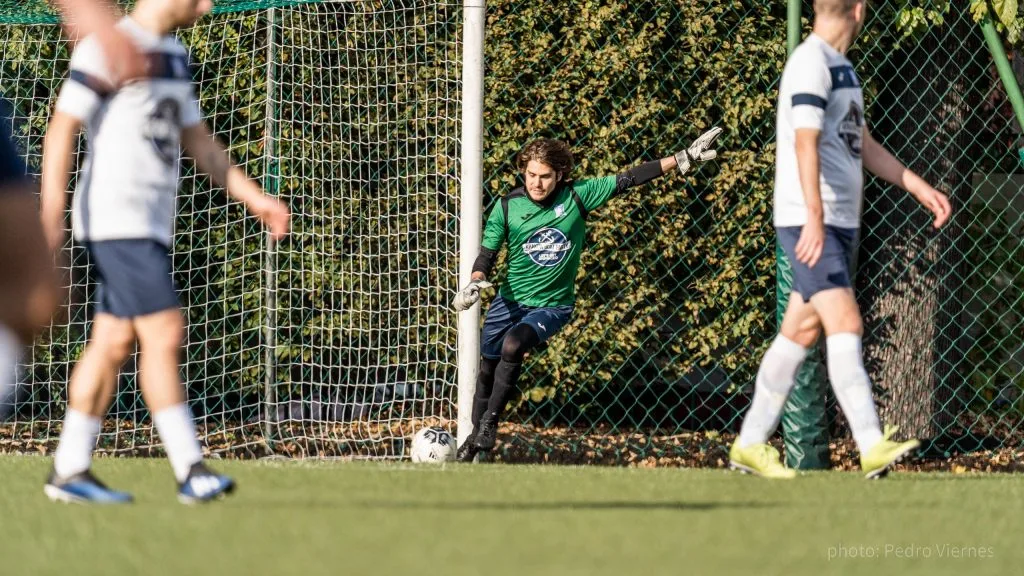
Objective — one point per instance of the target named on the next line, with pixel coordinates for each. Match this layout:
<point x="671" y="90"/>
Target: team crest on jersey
<point x="163" y="129"/>
<point x="851" y="129"/>
<point x="547" y="247"/>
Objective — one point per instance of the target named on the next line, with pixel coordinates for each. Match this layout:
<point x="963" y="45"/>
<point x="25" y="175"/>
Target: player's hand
<point x="274" y="214"/>
<point x="700" y="151"/>
<point x="125" y="60"/>
<point x="812" y="242"/>
<point x="469" y="295"/>
<point x="937" y="203"/>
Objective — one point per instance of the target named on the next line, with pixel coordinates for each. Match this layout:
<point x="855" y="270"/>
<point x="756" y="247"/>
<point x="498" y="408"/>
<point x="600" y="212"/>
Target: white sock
<point x="77" y="441"/>
<point x="853" y="388"/>
<point x="10" y="352"/>
<point x="775" y="379"/>
<point x="178" y="433"/>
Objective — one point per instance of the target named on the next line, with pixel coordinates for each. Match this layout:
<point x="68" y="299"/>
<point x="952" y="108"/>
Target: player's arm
<point x="85" y="17"/>
<point x="807" y="82"/>
<point x="808" y="161"/>
<point x="883" y="164"/>
<point x="699" y="151"/>
<point x="81" y="95"/>
<point x="596" y="192"/>
<point x="212" y="158"/>
<point x="58" y="149"/>
<point x="494" y="238"/>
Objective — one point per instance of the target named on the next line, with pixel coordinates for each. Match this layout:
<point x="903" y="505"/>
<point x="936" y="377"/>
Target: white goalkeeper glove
<point x="469" y="295"/>
<point x="698" y="151"/>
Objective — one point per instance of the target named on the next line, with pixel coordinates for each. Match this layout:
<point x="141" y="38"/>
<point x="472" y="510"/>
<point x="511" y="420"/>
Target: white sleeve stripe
<point x="77" y="100"/>
<point x="808" y="117"/>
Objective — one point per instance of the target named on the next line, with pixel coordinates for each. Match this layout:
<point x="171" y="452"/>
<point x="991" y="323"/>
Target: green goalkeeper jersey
<point x="545" y="241"/>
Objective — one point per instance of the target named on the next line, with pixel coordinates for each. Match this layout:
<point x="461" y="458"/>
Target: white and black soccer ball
<point x="433" y="445"/>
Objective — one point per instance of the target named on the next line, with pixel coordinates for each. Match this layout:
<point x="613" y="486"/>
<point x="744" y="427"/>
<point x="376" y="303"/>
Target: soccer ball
<point x="433" y="445"/>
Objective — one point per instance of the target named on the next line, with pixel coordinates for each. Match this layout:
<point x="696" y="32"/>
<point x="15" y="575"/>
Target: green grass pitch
<point x="312" y="518"/>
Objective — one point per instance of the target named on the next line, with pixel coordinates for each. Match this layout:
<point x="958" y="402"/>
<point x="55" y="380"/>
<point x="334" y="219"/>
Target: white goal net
<point x="338" y="341"/>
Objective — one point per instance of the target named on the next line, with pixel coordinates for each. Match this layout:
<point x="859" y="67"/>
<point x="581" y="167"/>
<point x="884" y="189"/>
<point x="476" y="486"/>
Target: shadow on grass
<point x="559" y="505"/>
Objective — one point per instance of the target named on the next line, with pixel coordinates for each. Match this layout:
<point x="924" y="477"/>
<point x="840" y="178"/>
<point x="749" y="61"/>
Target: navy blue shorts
<point x="133" y="277"/>
<point x="503" y="315"/>
<point x="11" y="166"/>
<point x="832" y="269"/>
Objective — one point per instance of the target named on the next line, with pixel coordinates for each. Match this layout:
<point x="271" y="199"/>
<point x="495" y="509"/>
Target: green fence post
<point x="270" y="184"/>
<point x="804" y="419"/>
<point x="793" y="26"/>
<point x="995" y="46"/>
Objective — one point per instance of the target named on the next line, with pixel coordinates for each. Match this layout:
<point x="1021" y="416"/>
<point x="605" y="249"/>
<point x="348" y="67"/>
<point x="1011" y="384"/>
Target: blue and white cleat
<point x="203" y="485"/>
<point x="83" y="488"/>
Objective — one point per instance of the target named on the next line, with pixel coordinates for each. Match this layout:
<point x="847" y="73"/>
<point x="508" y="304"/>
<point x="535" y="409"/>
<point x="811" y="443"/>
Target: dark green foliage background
<point x="676" y="291"/>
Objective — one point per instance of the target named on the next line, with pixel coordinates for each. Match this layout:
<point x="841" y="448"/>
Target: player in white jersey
<point x="28" y="287"/>
<point x="823" y="145"/>
<point x="124" y="211"/>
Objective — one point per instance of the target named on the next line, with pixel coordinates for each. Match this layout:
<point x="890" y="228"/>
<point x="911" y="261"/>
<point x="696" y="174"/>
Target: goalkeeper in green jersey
<point x="544" y="226"/>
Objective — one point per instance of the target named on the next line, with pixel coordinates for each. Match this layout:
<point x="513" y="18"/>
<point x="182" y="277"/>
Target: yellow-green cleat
<point x="876" y="462"/>
<point x="760" y="459"/>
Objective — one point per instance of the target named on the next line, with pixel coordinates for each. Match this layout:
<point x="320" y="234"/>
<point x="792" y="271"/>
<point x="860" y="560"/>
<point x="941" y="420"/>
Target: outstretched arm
<point x="883" y="164"/>
<point x="643" y="173"/>
<point x="212" y="158"/>
<point x="699" y="151"/>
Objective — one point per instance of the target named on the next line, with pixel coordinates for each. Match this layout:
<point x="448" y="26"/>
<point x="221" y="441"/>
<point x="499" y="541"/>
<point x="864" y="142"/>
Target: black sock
<point x="517" y="343"/>
<point x="505" y="377"/>
<point x="484" y="386"/>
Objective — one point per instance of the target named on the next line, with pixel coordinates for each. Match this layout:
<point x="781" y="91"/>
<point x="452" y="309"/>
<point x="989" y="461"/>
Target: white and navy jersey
<point x="820" y="90"/>
<point x="129" y="183"/>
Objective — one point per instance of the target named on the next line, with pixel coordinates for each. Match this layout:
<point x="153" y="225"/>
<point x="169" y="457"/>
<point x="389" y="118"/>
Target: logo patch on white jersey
<point x="163" y="129"/>
<point x="851" y="129"/>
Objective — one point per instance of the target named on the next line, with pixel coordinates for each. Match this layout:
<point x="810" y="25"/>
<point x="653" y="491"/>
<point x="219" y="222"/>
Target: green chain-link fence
<point x="942" y="310"/>
<point x="677" y="292"/>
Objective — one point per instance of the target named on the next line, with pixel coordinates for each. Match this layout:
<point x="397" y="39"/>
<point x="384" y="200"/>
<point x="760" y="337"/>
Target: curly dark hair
<point x="554" y="153"/>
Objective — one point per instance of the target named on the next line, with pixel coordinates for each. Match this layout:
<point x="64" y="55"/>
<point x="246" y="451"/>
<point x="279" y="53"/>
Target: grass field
<point x="295" y="518"/>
